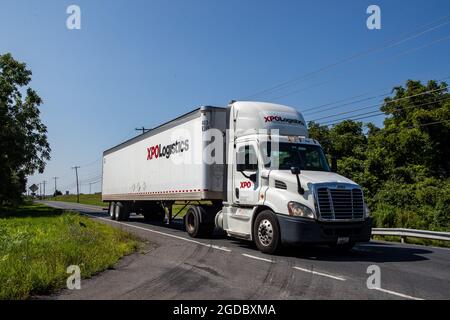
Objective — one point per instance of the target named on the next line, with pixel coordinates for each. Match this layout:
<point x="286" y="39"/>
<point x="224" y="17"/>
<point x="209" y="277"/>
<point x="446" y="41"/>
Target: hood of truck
<point x="312" y="177"/>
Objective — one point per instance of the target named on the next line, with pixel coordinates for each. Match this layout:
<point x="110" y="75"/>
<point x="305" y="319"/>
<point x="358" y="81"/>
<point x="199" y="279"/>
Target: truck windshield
<point x="304" y="156"/>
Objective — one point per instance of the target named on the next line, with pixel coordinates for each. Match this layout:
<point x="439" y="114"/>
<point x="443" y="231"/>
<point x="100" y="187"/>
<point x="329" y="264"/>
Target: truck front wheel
<point x="266" y="232"/>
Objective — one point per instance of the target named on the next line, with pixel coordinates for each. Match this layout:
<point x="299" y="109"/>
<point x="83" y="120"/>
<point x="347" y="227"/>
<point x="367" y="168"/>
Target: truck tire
<point x="266" y="232"/>
<point x="112" y="210"/>
<point x="197" y="222"/>
<point x="122" y="212"/>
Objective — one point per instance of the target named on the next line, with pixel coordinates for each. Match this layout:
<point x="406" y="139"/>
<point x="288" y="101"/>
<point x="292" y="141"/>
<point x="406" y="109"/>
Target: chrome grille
<point x="340" y="204"/>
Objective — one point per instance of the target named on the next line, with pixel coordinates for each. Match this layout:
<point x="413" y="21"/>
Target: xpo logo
<point x="157" y="151"/>
<point x="245" y="185"/>
<point x="283" y="120"/>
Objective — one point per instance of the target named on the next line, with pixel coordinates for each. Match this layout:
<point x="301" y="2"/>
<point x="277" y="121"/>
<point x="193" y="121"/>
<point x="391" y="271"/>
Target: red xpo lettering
<point x="152" y="152"/>
<point x="245" y="185"/>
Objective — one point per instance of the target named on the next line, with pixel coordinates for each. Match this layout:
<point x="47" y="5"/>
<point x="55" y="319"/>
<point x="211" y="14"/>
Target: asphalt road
<point x="175" y="266"/>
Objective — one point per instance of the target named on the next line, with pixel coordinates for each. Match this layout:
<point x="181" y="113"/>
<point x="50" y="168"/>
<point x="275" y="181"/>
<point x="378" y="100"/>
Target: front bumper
<point x="296" y="230"/>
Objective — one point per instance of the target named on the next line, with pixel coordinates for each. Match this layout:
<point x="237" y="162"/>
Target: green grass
<point x="38" y="243"/>
<point x="177" y="206"/>
<point x="92" y="199"/>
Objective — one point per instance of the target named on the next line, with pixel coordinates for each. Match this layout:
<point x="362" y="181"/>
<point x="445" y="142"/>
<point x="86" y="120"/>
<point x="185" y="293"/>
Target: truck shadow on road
<point x="376" y="252"/>
<point x="177" y="224"/>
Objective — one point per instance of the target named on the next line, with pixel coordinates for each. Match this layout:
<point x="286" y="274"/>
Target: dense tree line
<point x="403" y="167"/>
<point x="24" y="148"/>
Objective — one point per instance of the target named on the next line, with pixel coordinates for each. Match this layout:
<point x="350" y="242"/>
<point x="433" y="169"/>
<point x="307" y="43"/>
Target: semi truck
<point x="249" y="169"/>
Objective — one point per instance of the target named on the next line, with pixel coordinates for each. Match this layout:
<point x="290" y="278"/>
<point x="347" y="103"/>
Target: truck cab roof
<point x="250" y="117"/>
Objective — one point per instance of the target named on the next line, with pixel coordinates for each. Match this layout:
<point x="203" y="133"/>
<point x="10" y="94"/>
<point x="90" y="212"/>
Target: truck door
<point x="246" y="175"/>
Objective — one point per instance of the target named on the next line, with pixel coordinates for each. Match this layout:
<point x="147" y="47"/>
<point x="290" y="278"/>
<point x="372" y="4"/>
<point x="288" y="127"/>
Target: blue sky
<point x="141" y="63"/>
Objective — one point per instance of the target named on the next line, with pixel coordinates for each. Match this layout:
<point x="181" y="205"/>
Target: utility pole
<point x="90" y="184"/>
<point x="55" y="178"/>
<point x="44" y="182"/>
<point x="143" y="129"/>
<point x="78" y="187"/>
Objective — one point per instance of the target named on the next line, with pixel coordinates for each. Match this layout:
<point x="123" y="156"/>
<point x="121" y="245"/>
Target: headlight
<point x="299" y="210"/>
<point x="366" y="211"/>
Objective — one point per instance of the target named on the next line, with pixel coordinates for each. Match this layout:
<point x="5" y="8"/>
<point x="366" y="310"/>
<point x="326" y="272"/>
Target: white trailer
<point x="251" y="170"/>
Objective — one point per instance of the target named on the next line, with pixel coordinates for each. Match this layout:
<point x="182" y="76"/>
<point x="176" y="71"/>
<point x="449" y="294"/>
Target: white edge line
<point x="163" y="233"/>
<point x="321" y="274"/>
<point x="397" y="294"/>
<point x="257" y="258"/>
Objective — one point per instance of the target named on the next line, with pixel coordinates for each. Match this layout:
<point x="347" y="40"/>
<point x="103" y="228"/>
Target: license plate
<point x="343" y="240"/>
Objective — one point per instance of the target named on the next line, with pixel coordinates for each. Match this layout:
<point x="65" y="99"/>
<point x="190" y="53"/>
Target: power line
<point x="385" y="94"/>
<point x="389" y="44"/>
<point x="417" y="48"/>
<point x="378" y="104"/>
<point x="93" y="176"/>
<point x="378" y="113"/>
<point x="319" y="108"/>
<point x="410" y="127"/>
<point x="388" y="60"/>
<point x="300" y="90"/>
<point x="350" y="103"/>
<point x="428" y="124"/>
<point x="91" y="163"/>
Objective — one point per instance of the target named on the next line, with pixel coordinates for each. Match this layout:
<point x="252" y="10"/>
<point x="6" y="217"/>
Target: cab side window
<point x="246" y="159"/>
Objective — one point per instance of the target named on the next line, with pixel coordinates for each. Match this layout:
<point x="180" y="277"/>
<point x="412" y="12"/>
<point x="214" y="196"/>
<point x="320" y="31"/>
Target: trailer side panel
<point x="165" y="163"/>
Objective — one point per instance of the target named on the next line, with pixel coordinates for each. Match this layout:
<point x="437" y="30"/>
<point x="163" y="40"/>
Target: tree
<point x="347" y="142"/>
<point x="404" y="167"/>
<point x="24" y="148"/>
<point x="408" y="139"/>
<point x="57" y="193"/>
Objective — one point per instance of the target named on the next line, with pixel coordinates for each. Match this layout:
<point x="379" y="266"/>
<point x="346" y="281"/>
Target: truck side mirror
<point x="242" y="167"/>
<point x="296" y="171"/>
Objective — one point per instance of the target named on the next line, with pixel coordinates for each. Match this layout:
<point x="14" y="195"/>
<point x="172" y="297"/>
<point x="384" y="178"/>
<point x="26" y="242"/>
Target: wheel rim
<point x="265" y="232"/>
<point x="190" y="222"/>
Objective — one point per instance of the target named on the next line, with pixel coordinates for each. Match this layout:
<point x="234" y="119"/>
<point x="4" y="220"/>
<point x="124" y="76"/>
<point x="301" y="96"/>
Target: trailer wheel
<point x="197" y="223"/>
<point x="112" y="210"/>
<point x="121" y="212"/>
<point x="266" y="232"/>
